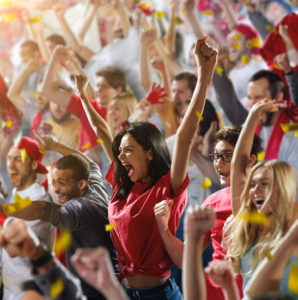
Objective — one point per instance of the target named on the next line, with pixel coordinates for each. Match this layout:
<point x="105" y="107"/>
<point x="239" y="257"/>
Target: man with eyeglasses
<point x="225" y="141"/>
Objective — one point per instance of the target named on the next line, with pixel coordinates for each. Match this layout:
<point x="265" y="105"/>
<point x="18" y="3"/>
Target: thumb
<point x="170" y="203"/>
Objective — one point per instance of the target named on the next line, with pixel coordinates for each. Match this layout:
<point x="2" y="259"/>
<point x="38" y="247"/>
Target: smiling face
<point x="117" y="113"/>
<point x="134" y="159"/>
<point x="260" y="190"/>
<point x="222" y="164"/>
<point x="22" y="174"/>
<point x="236" y="45"/>
<point x="181" y="92"/>
<point x="104" y="91"/>
<point x="65" y="185"/>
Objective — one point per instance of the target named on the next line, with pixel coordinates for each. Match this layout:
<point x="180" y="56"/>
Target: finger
<point x="38" y="136"/>
<point x="170" y="203"/>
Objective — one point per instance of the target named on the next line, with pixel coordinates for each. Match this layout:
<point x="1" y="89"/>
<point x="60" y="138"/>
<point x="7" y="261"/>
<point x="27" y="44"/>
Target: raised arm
<point x="198" y="221"/>
<point x="195" y="24"/>
<point x="241" y="156"/>
<point x="83" y="51"/>
<point x="229" y="14"/>
<point x="99" y="125"/>
<point x="122" y="15"/>
<point x="206" y="59"/>
<point x="15" y="90"/>
<point x="269" y="273"/>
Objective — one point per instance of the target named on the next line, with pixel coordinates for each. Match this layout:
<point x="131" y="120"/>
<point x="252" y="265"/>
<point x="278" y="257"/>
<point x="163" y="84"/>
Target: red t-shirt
<point x="140" y="249"/>
<point x="87" y="137"/>
<point x="221" y="202"/>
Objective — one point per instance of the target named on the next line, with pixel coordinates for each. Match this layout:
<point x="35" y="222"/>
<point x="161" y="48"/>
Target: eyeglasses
<point x="225" y="156"/>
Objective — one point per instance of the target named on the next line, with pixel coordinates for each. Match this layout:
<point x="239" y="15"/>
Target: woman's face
<point x="260" y="187"/>
<point x="134" y="159"/>
<point x="117" y="113"/>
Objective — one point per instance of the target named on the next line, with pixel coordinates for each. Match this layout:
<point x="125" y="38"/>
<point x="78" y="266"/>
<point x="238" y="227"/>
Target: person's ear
<point x="34" y="165"/>
<point x="149" y="154"/>
<point x="279" y="96"/>
<point x="251" y="161"/>
<point x="82" y="184"/>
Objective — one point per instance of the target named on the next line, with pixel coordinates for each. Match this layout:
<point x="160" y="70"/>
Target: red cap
<point x="33" y="149"/>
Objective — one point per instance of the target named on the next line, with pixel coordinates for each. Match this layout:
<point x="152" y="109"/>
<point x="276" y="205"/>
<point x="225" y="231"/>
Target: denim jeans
<point x="166" y="291"/>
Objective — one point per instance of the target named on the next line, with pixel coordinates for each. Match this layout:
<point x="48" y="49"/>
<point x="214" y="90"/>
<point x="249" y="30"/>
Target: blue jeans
<point x="166" y="291"/>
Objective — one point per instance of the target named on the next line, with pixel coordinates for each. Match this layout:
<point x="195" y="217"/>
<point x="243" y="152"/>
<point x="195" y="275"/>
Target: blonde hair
<point x="128" y="100"/>
<point x="239" y="236"/>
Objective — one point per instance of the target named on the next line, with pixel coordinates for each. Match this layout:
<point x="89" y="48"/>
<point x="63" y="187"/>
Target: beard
<point x="268" y="119"/>
<point x="61" y="119"/>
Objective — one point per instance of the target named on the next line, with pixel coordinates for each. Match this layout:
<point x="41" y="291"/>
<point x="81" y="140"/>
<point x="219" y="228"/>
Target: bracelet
<point x="46" y="257"/>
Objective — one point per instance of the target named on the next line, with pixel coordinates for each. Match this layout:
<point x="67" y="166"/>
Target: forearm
<point x="269" y="272"/>
<point x="173" y="246"/>
<point x="171" y="34"/>
<point x="145" y="71"/>
<point x="232" y="292"/>
<point x="193" y="277"/>
<point x="196" y="26"/>
<point x="86" y="25"/>
<point x="45" y="52"/>
<point x="206" y="167"/>
<point x="228" y="99"/>
<point x="166" y="81"/>
<point x="292" y="80"/>
<point x="122" y="14"/>
<point x="16" y="88"/>
<point x="99" y="125"/>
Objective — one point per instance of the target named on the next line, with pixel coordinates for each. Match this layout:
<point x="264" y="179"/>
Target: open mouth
<point x="259" y="203"/>
<point x="224" y="174"/>
<point x="129" y="168"/>
<point x="62" y="199"/>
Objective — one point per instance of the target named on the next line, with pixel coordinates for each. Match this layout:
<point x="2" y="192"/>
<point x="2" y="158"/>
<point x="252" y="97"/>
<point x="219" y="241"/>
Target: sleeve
<point x="228" y="99"/>
<point x="260" y="23"/>
<point x="59" y="275"/>
<point x="292" y="80"/>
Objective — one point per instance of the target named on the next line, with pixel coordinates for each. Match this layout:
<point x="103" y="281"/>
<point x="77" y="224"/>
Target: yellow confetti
<point x="254" y="43"/>
<point x="177" y="20"/>
<point x="237" y="45"/>
<point x="199" y="115"/>
<point x="218" y="70"/>
<point x="245" y="59"/>
<point x="32" y="20"/>
<point x="269" y="255"/>
<point x="260" y="156"/>
<point x="9" y="209"/>
<point x="9" y="17"/>
<point x="270" y="28"/>
<point x="206" y="184"/>
<point x="160" y="14"/>
<point x="42" y="150"/>
<point x="110" y="227"/>
<point x="289" y="127"/>
<point x="63" y="242"/>
<point x="24" y="155"/>
<point x="207" y="12"/>
<point x="254" y="217"/>
<point x="35" y="94"/>
<point x="296" y="134"/>
<point x="87" y="145"/>
<point x="231" y="58"/>
<point x="57" y="288"/>
<point x="99" y="141"/>
<point x="183" y="10"/>
<point x="8" y="124"/>
<point x="237" y="37"/>
<point x="293" y="278"/>
<point x="278" y="67"/>
<point x="146" y="27"/>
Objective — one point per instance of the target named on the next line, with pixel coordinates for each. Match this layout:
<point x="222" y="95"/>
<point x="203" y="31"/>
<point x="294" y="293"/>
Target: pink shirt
<point x="140" y="249"/>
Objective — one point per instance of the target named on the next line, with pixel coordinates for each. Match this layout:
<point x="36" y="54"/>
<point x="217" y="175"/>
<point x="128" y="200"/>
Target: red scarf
<point x="274" y="142"/>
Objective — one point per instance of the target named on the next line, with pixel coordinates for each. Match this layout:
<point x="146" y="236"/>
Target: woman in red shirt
<point x="143" y="176"/>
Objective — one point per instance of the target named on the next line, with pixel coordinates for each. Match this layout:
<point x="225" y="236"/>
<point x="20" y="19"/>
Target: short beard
<point x="268" y="120"/>
<point x="62" y="119"/>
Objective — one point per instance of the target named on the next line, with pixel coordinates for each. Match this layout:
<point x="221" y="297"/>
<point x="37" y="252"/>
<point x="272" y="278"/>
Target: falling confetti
<point x="254" y="217"/>
<point x="271" y="28"/>
<point x="42" y="150"/>
<point x="260" y="156"/>
<point x="8" y="124"/>
<point x="245" y="59"/>
<point x="110" y="227"/>
<point x="57" y="288"/>
<point x="293" y="278"/>
<point x="24" y="155"/>
<point x="177" y="20"/>
<point x="269" y="255"/>
<point x="99" y="141"/>
<point x="237" y="37"/>
<point x="9" y="17"/>
<point x="63" y="242"/>
<point x="296" y="134"/>
<point x="254" y="43"/>
<point x="206" y="184"/>
<point x="218" y="70"/>
<point x="289" y="127"/>
<point x="199" y="115"/>
<point x="278" y="67"/>
<point x="237" y="45"/>
<point x="85" y="146"/>
<point x="183" y="10"/>
<point x="231" y="58"/>
<point x="33" y="20"/>
<point x="35" y="94"/>
<point x="160" y="14"/>
<point x="207" y="12"/>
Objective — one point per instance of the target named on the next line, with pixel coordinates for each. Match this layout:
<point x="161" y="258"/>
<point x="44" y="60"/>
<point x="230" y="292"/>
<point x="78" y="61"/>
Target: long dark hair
<point x="150" y="138"/>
